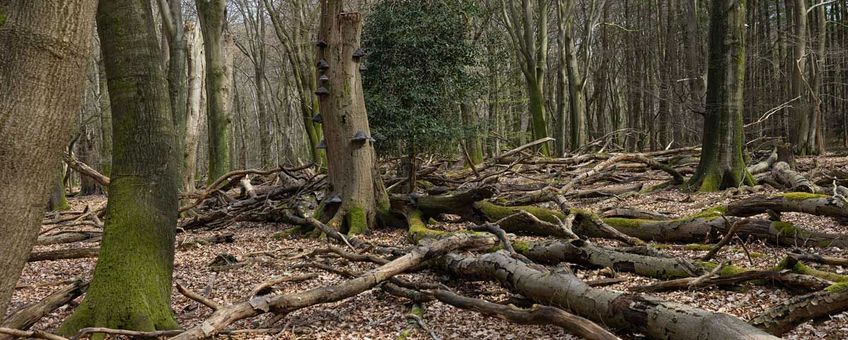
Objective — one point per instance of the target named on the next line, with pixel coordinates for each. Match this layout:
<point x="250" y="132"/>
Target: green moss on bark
<point x="800" y="196"/>
<point x="494" y="212"/>
<point x="357" y="221"/>
<point x="841" y="287"/>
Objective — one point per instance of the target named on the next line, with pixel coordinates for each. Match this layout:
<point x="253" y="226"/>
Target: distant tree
<point x="44" y="46"/>
<point x="131" y="288"/>
<point x="213" y="22"/>
<point x="418" y="73"/>
<point x="526" y="22"/>
<point x="722" y="162"/>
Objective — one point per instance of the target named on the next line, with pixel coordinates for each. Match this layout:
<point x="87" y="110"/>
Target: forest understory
<point x="235" y="242"/>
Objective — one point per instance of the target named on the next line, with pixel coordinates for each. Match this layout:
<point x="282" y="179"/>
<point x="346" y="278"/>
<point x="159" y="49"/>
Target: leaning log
<point x="27" y="316"/>
<point x="632" y="312"/>
<point x="287" y="303"/>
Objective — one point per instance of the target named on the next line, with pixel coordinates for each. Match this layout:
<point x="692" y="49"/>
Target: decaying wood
<point x="797" y="310"/>
<point x="203" y="241"/>
<point x="823" y="259"/>
<point x="68" y="237"/>
<point x="814" y="204"/>
<point x="27" y="316"/>
<point x="197" y="297"/>
<point x="792" y="179"/>
<point x="63" y="254"/>
<point x="30" y="334"/>
<point x="792" y="280"/>
<point x="536" y="315"/>
<point x="293" y="301"/>
<point x="631" y="312"/>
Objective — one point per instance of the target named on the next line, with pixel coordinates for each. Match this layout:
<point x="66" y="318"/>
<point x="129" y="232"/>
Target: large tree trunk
<point x="195" y="57"/>
<point x="131" y="288"/>
<point x="213" y="21"/>
<point x="722" y="162"/>
<point x="44" y="48"/>
<point x="353" y="176"/>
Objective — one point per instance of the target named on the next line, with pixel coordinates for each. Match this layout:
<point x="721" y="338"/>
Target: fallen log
<point x="823" y="259"/>
<point x="27" y="316"/>
<point x="631" y="312"/>
<point x="799" y="309"/>
<point x="286" y="303"/>
<point x="63" y="254"/>
<point x="808" y="203"/>
<point x="708" y="224"/>
<point x="793" y="180"/>
<point x="67" y="237"/>
<point x="792" y="280"/>
<point x="536" y="315"/>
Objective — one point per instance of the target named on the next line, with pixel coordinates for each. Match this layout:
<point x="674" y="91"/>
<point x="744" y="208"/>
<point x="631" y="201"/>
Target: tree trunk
<point x="722" y="162"/>
<point x="44" y="46"/>
<point x="105" y="121"/>
<point x="213" y="21"/>
<point x="577" y="101"/>
<point x="353" y="176"/>
<point x="800" y="112"/>
<point x="473" y="144"/>
<point x="172" y="13"/>
<point x="195" y="57"/>
<point x="131" y="288"/>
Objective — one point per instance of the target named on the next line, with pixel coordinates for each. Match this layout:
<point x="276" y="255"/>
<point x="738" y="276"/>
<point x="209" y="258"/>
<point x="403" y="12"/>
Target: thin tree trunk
<point x="44" y="46"/>
<point x="213" y="21"/>
<point x="196" y="74"/>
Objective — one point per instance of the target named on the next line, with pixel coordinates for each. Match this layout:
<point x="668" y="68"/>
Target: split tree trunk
<point x="722" y="162"/>
<point x="44" y="49"/>
<point x="131" y="288"/>
<point x="213" y="22"/>
<point x="353" y="176"/>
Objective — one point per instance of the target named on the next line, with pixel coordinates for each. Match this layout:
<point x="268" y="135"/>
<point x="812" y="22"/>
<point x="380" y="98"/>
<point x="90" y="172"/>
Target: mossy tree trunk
<point x="131" y="288"/>
<point x="352" y="161"/>
<point x="213" y="22"/>
<point x="722" y="162"/>
<point x="44" y="49"/>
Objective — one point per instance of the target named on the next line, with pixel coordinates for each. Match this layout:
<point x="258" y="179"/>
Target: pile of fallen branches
<point x="490" y="248"/>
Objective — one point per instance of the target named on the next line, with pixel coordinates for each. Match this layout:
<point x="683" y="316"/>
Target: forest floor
<point x="378" y="315"/>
